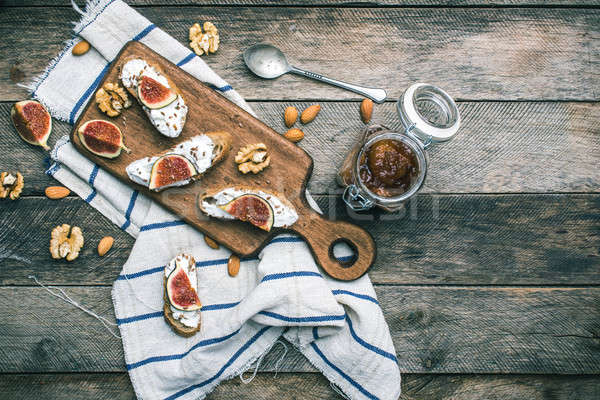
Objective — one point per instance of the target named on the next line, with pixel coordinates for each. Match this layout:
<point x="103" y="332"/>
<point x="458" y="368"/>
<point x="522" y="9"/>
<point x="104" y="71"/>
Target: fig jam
<point x="388" y="168"/>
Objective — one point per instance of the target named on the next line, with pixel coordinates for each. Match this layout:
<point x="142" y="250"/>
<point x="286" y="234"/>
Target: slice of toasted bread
<point x="177" y="326"/>
<point x="153" y="65"/>
<point x="214" y="191"/>
<point x="222" y="141"/>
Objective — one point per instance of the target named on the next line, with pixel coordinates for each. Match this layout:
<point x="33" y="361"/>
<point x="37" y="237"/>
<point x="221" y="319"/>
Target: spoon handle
<point x="377" y="95"/>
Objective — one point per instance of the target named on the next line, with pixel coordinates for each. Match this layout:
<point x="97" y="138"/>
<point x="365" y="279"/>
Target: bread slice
<point x="222" y="141"/>
<point x="153" y="65"/>
<point x="251" y="190"/>
<point x="177" y="326"/>
<point x="222" y="146"/>
<point x="213" y="191"/>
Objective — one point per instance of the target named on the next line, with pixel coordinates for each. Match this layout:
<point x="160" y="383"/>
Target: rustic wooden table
<point x="490" y="281"/>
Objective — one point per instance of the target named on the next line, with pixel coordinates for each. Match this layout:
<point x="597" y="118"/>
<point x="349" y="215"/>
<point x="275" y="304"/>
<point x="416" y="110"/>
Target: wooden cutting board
<point x="288" y="173"/>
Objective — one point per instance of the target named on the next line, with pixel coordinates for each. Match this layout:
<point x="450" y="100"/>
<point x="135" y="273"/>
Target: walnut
<point x="112" y="99"/>
<point x="11" y="185"/>
<point x="253" y="158"/>
<point x="66" y="242"/>
<point x="204" y="43"/>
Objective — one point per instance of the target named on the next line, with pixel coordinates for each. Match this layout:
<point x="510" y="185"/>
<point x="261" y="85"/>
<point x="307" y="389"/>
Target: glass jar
<point x="386" y="167"/>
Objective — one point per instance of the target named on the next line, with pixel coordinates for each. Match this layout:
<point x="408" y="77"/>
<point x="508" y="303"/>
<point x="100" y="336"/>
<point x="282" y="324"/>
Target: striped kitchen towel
<point x="338" y="326"/>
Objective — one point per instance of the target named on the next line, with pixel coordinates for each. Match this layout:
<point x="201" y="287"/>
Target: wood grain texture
<point x="328" y="3"/>
<point x="479" y="54"/>
<point x="450" y="239"/>
<point x="311" y="386"/>
<point x="503" y="147"/>
<point x="434" y="329"/>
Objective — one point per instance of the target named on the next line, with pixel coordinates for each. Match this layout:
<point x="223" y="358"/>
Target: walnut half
<point x="112" y="99"/>
<point x="11" y="185"/>
<point x="65" y="242"/>
<point x="204" y="42"/>
<point x="253" y="158"/>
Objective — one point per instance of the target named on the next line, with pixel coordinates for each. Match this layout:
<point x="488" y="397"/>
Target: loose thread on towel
<point x="338" y="391"/>
<point x="259" y="361"/>
<point x="65" y="297"/>
<point x="137" y="298"/>
<point x="76" y="8"/>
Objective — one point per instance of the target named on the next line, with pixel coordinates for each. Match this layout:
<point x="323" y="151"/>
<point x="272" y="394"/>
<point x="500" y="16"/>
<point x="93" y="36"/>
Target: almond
<point x="105" y="245"/>
<point x="310" y="113"/>
<point x="294" y="135"/>
<point x="80" y="48"/>
<point x="290" y="116"/>
<point x="366" y="110"/>
<point x="233" y="265"/>
<point x="211" y="243"/>
<point x="57" y="192"/>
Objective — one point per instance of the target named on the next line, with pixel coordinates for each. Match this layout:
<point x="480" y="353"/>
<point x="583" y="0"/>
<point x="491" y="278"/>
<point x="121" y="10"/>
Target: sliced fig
<point x="154" y="94"/>
<point x="32" y="121"/>
<point x="102" y="138"/>
<point x="251" y="208"/>
<point x="180" y="291"/>
<point x="169" y="170"/>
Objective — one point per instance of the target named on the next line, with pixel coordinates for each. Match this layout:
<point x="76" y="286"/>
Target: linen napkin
<point x="338" y="326"/>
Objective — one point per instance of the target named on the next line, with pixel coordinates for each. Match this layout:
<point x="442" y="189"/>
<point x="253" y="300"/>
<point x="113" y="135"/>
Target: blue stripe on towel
<point x="91" y="181"/>
<point x="150" y="271"/>
<point x="287" y="239"/>
<point x="319" y="318"/>
<point x="142" y="317"/>
<point x="237" y="354"/>
<point x="342" y="374"/>
<point x="212" y="307"/>
<point x="316" y="332"/>
<point x="369" y="346"/>
<point x="160" y="225"/>
<point x="222" y="89"/>
<point x="129" y="210"/>
<point x="170" y="357"/>
<point x="283" y="275"/>
<point x="357" y="295"/>
<point x="186" y="60"/>
<point x="143" y="33"/>
<point x="87" y="93"/>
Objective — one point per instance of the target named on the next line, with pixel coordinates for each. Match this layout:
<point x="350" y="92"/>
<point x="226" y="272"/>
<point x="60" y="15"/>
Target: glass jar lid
<point x="429" y="113"/>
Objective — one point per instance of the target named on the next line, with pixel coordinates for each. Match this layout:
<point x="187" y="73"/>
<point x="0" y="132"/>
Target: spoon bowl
<point x="266" y="61"/>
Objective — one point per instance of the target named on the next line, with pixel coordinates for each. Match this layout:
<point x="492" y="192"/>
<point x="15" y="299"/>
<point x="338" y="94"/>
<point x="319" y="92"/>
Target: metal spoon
<point x="269" y="62"/>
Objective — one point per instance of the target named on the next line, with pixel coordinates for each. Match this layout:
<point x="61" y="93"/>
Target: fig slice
<point x="169" y="170"/>
<point x="102" y="138"/>
<point x="251" y="208"/>
<point x="32" y="121"/>
<point x="154" y="94"/>
<point x="180" y="292"/>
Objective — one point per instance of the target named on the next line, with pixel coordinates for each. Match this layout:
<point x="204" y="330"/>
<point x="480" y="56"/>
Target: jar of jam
<point x="386" y="167"/>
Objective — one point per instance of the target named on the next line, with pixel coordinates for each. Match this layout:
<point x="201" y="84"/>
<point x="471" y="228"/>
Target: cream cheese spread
<point x="168" y="120"/>
<point x="199" y="150"/>
<point x="187" y="318"/>
<point x="284" y="215"/>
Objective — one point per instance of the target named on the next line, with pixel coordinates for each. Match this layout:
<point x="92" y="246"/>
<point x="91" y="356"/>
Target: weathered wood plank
<point x="435" y="330"/>
<point x="502" y="147"/>
<point x="329" y="3"/>
<point x="266" y="386"/>
<point x="450" y="239"/>
<point x="478" y="54"/>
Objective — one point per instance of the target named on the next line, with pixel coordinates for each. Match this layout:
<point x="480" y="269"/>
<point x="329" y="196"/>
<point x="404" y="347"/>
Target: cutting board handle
<point x="322" y="234"/>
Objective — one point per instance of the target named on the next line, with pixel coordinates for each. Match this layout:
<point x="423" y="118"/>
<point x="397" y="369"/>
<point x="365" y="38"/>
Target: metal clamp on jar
<point x="386" y="167"/>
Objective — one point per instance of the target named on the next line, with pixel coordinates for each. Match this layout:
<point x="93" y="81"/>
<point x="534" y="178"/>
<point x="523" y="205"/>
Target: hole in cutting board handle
<point x="344" y="261"/>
